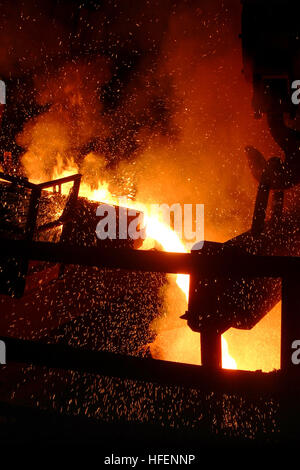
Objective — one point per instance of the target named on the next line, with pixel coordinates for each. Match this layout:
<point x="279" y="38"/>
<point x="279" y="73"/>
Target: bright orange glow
<point x="193" y="155"/>
<point x="227" y="361"/>
<point x="156" y="231"/>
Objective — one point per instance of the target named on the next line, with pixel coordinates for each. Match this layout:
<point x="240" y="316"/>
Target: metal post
<point x="290" y="331"/>
<point x="32" y="213"/>
<point x="290" y="321"/>
<point x="211" y="349"/>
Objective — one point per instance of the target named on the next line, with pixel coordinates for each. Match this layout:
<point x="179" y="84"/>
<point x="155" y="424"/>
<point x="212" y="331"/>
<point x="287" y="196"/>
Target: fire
<point x="227" y="361"/>
<point x="171" y="243"/>
<point x="156" y="231"/>
<point x="168" y="119"/>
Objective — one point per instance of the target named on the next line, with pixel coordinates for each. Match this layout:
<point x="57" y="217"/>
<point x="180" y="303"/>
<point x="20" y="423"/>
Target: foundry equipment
<point x="271" y="62"/>
<point x="231" y="284"/>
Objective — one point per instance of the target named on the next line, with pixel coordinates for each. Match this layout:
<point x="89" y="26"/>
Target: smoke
<point x="70" y="121"/>
<point x="147" y="95"/>
<point x="154" y="89"/>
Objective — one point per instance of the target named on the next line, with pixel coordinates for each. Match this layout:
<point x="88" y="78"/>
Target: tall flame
<point x="156" y="231"/>
<point x="169" y="119"/>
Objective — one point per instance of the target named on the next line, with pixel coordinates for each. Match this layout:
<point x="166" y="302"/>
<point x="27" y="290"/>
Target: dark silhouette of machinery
<point x="271" y="62"/>
<point x="218" y="298"/>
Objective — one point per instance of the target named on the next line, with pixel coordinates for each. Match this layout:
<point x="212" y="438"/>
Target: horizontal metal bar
<point x="143" y="369"/>
<point x="47" y="184"/>
<point x="228" y="265"/>
<point x="17" y="180"/>
<point x="59" y="181"/>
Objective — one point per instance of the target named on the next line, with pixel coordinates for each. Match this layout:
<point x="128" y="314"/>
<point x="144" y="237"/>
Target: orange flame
<point x="156" y="231"/>
<point x="199" y="159"/>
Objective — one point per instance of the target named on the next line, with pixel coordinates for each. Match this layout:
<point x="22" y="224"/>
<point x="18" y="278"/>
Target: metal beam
<point x="154" y="261"/>
<point x="144" y="369"/>
<point x="67" y="179"/>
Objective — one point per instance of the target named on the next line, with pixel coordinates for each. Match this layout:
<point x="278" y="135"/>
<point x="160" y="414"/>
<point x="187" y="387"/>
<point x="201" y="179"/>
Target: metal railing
<point x="283" y="384"/>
